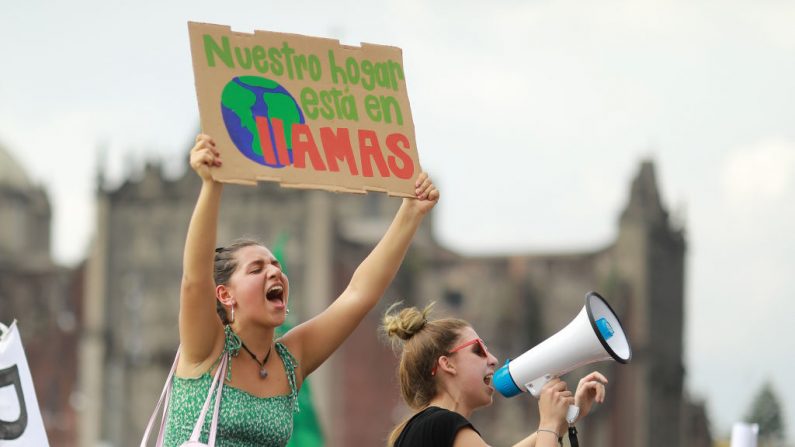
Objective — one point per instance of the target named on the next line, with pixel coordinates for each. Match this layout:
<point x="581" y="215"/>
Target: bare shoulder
<point x="468" y="437"/>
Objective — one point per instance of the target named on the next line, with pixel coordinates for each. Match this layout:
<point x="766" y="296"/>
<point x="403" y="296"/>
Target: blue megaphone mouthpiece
<point x="503" y="382"/>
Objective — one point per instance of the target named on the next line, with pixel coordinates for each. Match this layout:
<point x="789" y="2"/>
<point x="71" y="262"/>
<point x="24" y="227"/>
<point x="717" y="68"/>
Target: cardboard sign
<point x="304" y="111"/>
<point x="20" y="418"/>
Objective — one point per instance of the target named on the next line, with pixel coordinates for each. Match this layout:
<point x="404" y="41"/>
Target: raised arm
<point x="199" y="325"/>
<point x="315" y="340"/>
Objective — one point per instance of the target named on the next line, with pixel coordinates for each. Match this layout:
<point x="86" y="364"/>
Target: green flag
<point x="306" y="428"/>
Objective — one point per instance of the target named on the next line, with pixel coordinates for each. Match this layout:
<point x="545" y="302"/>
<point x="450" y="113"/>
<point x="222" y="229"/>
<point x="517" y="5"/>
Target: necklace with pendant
<point x="262" y="372"/>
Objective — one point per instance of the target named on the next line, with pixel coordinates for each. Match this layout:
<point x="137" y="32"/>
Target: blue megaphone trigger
<point x="503" y="382"/>
<point x="605" y="329"/>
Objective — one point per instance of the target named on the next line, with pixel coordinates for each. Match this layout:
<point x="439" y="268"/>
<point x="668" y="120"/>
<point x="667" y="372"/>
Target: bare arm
<point x="533" y="440"/>
<point x="315" y="340"/>
<point x="199" y="325"/>
<point x="467" y="437"/>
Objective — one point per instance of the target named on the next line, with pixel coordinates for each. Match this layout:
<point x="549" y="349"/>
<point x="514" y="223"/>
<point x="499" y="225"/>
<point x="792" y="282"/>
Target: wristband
<point x="560" y="438"/>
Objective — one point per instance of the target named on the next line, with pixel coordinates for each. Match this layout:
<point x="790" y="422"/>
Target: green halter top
<point x="244" y="420"/>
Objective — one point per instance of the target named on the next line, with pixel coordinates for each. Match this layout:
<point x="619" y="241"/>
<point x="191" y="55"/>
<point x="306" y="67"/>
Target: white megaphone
<point x="594" y="335"/>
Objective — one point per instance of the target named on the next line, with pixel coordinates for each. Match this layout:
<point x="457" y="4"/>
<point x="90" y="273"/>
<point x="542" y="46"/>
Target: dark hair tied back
<point x="224" y="265"/>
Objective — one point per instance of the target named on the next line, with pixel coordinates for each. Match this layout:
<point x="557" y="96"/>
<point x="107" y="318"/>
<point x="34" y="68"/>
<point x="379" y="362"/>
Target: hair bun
<point x="405" y="323"/>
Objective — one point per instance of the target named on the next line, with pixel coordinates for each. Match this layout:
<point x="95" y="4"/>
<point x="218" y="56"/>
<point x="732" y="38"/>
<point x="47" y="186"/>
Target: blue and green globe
<point x="246" y="100"/>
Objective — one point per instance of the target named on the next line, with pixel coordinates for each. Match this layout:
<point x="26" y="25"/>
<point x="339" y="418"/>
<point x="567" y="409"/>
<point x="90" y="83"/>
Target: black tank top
<point x="432" y="427"/>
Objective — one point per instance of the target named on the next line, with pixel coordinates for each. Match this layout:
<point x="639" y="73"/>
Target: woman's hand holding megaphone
<point x="555" y="401"/>
<point x="590" y="389"/>
<point x="553" y="404"/>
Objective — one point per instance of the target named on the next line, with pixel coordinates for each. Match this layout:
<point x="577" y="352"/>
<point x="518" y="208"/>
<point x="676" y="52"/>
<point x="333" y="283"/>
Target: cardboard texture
<point x="306" y="112"/>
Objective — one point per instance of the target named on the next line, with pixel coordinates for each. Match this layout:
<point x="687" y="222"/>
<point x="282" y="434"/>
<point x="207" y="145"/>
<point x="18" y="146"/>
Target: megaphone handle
<point x="572" y="413"/>
<point x="534" y="387"/>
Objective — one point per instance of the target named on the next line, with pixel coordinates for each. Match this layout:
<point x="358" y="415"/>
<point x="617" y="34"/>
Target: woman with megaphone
<point x="445" y="374"/>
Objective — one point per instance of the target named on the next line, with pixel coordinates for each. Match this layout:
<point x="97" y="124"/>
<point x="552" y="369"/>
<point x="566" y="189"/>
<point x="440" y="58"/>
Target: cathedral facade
<point x="513" y="301"/>
<point x="122" y="303"/>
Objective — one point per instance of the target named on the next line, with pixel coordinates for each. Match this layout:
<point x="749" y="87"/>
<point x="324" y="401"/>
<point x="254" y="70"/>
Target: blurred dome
<point x="11" y="172"/>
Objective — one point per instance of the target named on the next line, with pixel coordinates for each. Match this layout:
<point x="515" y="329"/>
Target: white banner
<point x="744" y="434"/>
<point x="20" y="418"/>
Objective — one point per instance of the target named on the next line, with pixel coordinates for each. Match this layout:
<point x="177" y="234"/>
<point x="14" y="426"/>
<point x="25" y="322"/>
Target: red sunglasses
<point x="481" y="350"/>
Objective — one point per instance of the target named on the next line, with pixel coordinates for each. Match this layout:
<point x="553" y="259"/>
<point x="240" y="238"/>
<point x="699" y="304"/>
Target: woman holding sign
<point x="245" y="285"/>
<point x="445" y="374"/>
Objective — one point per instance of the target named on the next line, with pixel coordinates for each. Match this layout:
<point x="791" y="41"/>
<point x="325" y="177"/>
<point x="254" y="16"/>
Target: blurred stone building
<point x="518" y="301"/>
<point x="43" y="297"/>
<point x="134" y="269"/>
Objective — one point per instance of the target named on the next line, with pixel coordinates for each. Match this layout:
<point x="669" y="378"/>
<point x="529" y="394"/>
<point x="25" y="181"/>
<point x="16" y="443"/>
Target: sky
<point x="566" y="98"/>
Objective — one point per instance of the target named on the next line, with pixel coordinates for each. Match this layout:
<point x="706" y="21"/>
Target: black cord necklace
<point x="262" y="373"/>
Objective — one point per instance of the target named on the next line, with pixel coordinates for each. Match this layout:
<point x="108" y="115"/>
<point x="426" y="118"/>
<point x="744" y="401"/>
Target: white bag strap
<point x="217" y="380"/>
<point x="163" y="395"/>
<point x="217" y="409"/>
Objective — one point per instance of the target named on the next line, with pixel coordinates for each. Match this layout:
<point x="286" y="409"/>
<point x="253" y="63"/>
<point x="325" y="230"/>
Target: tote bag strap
<point x="217" y="409"/>
<point x="217" y="380"/>
<point x="164" y="396"/>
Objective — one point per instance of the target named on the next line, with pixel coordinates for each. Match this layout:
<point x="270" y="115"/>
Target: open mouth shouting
<point x="487" y="379"/>
<point x="275" y="295"/>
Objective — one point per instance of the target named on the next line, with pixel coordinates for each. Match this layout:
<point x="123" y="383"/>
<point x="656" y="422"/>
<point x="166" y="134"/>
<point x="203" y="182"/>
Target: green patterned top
<point x="244" y="419"/>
